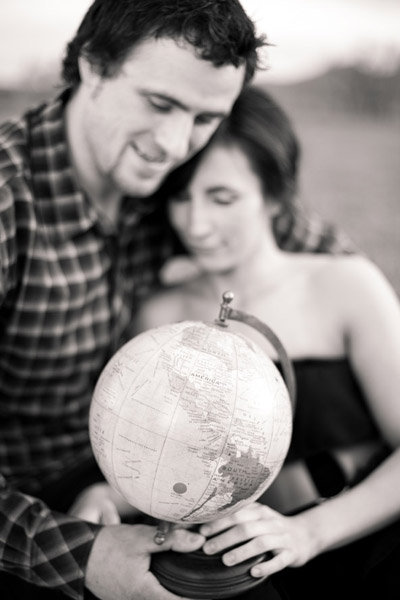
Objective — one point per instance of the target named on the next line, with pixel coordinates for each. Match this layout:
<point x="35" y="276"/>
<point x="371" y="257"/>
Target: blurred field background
<point x="347" y="114"/>
<point x="348" y="122"/>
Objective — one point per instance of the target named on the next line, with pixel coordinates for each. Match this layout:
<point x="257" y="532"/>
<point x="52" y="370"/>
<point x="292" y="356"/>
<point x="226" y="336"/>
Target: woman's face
<point x="222" y="216"/>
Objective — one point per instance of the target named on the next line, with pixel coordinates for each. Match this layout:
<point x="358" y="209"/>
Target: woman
<point x="333" y="510"/>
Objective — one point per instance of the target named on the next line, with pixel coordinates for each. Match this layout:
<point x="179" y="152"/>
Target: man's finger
<point x="109" y="513"/>
<point x="180" y="540"/>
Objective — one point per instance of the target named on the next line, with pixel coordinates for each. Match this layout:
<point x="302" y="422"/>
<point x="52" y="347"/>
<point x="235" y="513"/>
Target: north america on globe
<point x="190" y="421"/>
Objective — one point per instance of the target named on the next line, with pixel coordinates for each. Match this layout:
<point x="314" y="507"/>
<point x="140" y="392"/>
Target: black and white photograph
<point x="199" y="299"/>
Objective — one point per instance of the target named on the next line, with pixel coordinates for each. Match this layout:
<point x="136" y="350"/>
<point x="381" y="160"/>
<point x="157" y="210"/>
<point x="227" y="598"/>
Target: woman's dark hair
<point x="219" y="30"/>
<point x="261" y="128"/>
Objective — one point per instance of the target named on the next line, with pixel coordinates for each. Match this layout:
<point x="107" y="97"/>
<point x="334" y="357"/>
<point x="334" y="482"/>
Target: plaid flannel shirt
<point x="68" y="288"/>
<point x="69" y="285"/>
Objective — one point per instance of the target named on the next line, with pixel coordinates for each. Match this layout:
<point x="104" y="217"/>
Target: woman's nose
<point x="199" y="222"/>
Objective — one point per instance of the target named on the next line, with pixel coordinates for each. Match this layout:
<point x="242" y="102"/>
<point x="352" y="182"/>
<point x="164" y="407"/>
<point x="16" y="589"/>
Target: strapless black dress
<point x="331" y="413"/>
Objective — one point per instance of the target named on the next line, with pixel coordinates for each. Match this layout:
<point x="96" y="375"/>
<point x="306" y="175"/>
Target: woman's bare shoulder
<point x="350" y="274"/>
<point x="355" y="289"/>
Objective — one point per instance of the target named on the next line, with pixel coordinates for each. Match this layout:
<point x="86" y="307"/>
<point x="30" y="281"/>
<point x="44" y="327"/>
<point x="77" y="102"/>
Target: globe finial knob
<point x="225" y="309"/>
<point x="228" y="296"/>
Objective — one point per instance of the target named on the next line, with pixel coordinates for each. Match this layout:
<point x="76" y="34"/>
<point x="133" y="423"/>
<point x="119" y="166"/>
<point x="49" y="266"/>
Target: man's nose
<point x="174" y="136"/>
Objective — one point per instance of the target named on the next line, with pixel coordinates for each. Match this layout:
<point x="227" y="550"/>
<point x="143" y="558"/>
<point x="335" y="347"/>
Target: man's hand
<point x="119" y="563"/>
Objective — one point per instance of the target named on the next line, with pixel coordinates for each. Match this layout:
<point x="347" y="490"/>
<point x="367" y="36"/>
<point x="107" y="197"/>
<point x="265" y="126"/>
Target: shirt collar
<point x="65" y="210"/>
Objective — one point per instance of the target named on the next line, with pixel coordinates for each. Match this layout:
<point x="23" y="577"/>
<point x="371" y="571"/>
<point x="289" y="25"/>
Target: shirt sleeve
<point x="41" y="546"/>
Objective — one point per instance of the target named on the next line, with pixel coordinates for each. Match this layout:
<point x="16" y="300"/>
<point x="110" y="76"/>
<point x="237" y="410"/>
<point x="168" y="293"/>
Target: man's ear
<point x="88" y="73"/>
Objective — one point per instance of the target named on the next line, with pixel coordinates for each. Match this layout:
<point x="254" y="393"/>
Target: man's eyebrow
<point x="181" y="105"/>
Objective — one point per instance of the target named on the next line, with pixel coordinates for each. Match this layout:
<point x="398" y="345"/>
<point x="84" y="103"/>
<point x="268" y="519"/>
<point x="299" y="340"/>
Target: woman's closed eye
<point x="224" y="197"/>
<point x="220" y="196"/>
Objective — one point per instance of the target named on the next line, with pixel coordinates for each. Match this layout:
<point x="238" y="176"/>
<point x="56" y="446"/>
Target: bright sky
<point x="308" y="35"/>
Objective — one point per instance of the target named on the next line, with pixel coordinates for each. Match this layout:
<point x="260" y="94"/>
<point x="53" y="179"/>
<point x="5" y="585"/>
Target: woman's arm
<point x="368" y="312"/>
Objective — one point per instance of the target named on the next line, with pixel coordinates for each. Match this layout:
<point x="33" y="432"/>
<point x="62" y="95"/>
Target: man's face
<point x="158" y="110"/>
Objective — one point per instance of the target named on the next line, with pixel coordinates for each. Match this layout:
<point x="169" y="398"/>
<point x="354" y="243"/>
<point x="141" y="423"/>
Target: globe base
<point x="198" y="575"/>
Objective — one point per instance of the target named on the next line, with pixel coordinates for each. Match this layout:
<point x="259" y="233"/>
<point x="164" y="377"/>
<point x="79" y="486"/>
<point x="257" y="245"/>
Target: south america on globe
<point x="190" y="421"/>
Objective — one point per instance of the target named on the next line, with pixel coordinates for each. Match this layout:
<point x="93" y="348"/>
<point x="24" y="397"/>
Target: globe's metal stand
<point x="195" y="574"/>
<point x="226" y="312"/>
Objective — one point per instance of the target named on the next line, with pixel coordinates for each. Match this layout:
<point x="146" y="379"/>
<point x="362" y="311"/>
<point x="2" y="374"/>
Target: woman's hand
<point x="257" y="529"/>
<point x="99" y="503"/>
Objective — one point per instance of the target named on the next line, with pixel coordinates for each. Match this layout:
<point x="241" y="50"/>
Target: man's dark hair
<point x="219" y="30"/>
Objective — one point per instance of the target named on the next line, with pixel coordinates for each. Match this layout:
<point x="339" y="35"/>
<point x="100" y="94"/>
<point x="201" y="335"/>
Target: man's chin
<point x="144" y="187"/>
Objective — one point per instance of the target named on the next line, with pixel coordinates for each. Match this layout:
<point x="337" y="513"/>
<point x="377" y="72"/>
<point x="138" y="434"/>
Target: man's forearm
<point x="43" y="547"/>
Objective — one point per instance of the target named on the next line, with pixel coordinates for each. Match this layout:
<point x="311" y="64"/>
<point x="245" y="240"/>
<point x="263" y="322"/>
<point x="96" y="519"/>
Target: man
<point x="148" y="82"/>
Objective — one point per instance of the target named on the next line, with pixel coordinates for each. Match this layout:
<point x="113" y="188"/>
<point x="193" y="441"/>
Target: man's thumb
<point x="180" y="540"/>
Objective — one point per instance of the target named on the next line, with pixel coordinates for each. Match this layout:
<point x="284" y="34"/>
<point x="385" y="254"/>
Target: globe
<point x="190" y="421"/>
